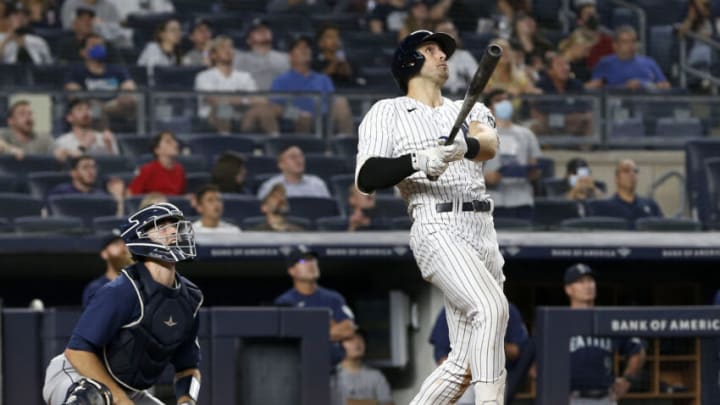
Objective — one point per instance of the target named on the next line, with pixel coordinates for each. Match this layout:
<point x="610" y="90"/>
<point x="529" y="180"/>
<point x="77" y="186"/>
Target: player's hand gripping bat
<point x="485" y="69"/>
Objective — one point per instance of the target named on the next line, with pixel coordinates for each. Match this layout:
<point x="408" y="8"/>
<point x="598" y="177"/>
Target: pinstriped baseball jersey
<point x="398" y="126"/>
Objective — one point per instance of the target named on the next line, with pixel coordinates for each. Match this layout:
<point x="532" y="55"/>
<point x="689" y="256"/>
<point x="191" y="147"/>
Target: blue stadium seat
<point x="139" y="74"/>
<point x="13" y="205"/>
<point x="113" y="164"/>
<point x="14" y="76"/>
<point x="345" y="22"/>
<point x="600" y="208"/>
<point x="390" y="206"/>
<point x="696" y="183"/>
<point x="237" y="207"/>
<point x="30" y="163"/>
<point x="133" y="145"/>
<point x="195" y="180"/>
<point x="175" y="77"/>
<point x="49" y="77"/>
<point x="105" y="225"/>
<point x="82" y="206"/>
<point x="378" y="78"/>
<point x="555" y="187"/>
<point x="345" y="146"/>
<point x="712" y="171"/>
<point x="361" y="39"/>
<point x="332" y="224"/>
<point x="49" y="225"/>
<point x="668" y="225"/>
<point x="261" y="164"/>
<point x="5" y="226"/>
<point x="546" y="12"/>
<point x="477" y="42"/>
<point x="629" y="128"/>
<point x="512" y="224"/>
<point x="663" y="47"/>
<point x="550" y="212"/>
<point x="313" y="207"/>
<point x="249" y="223"/>
<point x="624" y="16"/>
<point x="326" y="166"/>
<point x="273" y="146"/>
<point x="669" y="126"/>
<point x="594" y="223"/>
<point x="547" y="167"/>
<point x="211" y="146"/>
<point x="185" y="7"/>
<point x="289" y="22"/>
<point x="8" y="184"/>
<point x="401" y="223"/>
<point x="257" y="6"/>
<point x="664" y="11"/>
<point x="41" y="183"/>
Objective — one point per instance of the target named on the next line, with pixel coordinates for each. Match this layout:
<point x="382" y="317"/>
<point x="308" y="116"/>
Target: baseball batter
<point x="452" y="237"/>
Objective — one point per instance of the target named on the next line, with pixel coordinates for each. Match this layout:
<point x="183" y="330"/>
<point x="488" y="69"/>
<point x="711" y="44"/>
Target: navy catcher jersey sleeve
<point x="440" y="337"/>
<point x="114" y="305"/>
<point x="631" y="345"/>
<point x="516" y="331"/>
<point x="188" y="355"/>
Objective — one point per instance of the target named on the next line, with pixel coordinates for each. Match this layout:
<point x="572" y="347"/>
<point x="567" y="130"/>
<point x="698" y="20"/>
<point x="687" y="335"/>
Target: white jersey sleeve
<point x="479" y="113"/>
<point x="376" y="133"/>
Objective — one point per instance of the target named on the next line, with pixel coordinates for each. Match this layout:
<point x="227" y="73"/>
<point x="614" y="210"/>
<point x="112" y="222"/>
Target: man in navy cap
<point x="591" y="357"/>
<point x="116" y="256"/>
<point x="302" y="265"/>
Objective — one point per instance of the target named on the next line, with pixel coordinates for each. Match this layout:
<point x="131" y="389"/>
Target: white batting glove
<point x="454" y="151"/>
<point x="430" y="161"/>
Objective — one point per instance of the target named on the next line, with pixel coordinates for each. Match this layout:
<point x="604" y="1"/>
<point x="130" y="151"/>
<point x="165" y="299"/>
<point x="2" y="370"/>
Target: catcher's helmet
<point x="161" y="232"/>
<point x="407" y="61"/>
<point x="88" y="392"/>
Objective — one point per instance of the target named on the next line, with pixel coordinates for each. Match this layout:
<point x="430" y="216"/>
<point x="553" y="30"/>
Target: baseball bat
<point x="482" y="75"/>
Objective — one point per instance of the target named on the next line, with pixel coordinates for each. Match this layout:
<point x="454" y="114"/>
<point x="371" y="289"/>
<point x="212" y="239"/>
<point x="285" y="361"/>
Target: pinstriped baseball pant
<point x="458" y="253"/>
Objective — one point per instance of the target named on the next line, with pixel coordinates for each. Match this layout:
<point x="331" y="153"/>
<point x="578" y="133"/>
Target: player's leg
<point x="59" y="376"/>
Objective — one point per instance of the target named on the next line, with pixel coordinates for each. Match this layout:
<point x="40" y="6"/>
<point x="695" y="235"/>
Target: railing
<point x="686" y="69"/>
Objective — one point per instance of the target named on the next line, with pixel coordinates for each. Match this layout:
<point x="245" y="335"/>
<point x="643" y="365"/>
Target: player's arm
<point x="482" y="141"/>
<point x="88" y="365"/>
<point x="187" y="386"/>
<point x="341" y="330"/>
<point x="632" y="371"/>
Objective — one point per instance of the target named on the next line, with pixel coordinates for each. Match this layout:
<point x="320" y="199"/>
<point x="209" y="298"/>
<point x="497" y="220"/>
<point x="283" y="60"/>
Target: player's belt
<point x="474" y="206"/>
<point x="592" y="394"/>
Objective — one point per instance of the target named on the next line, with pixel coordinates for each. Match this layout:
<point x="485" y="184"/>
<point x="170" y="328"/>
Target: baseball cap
<point x="84" y="10"/>
<point x="109" y="238"/>
<point x="299" y="252"/>
<point x="574" y="272"/>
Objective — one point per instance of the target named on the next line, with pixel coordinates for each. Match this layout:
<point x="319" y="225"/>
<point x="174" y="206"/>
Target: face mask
<point x="592" y="22"/>
<point x="504" y="110"/>
<point x="97" y="52"/>
<point x="572" y="180"/>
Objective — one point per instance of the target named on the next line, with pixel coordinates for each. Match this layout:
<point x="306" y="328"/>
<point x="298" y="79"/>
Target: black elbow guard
<point x="473" y="148"/>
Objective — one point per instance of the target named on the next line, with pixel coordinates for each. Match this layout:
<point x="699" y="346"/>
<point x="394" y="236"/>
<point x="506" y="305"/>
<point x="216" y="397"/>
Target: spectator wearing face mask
<point x="580" y="183"/>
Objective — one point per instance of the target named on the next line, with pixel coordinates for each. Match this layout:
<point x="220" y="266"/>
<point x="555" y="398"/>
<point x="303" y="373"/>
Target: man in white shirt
<point x="82" y="138"/>
<point x="18" y="44"/>
<point x="221" y="77"/>
<point x="262" y="62"/>
<point x="291" y="162"/>
<point x="208" y="202"/>
<point x="461" y="65"/>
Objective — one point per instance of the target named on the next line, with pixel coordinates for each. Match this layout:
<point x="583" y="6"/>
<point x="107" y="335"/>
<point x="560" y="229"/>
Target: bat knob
<point x="494" y="50"/>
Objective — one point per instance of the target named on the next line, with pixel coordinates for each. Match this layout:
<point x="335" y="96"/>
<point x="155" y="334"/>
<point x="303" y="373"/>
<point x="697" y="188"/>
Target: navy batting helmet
<point x="88" y="392"/>
<point x="161" y="232"/>
<point x="407" y="61"/>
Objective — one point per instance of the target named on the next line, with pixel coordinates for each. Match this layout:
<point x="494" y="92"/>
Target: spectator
<point x="589" y="22"/>
<point x="362" y="215"/>
<point x="462" y="64"/>
<point x="219" y="110"/>
<point x="69" y="48"/>
<point x="626" y="203"/>
<point x="164" y="174"/>
<point x="549" y="116"/>
<point x="466" y="14"/>
<point x="19" y="44"/>
<point x="42" y="13"/>
<point x="107" y="23"/>
<point x="19" y="138"/>
<point x="299" y="6"/>
<point x="356" y="380"/>
<point x="229" y="173"/>
<point x="83" y="175"/>
<point x="580" y="184"/>
<point x="201" y="37"/>
<point x="302" y="265"/>
<point x="387" y="15"/>
<point x="591" y="357"/>
<point x="95" y="74"/>
<point x="209" y="204"/>
<point x="274" y="205"/>
<point x="164" y="50"/>
<point x="330" y="58"/>
<point x="418" y="18"/>
<point x="301" y="78"/>
<point x="699" y="21"/>
<point x="262" y="61"/>
<point x="82" y="138"/>
<point x="152" y="198"/>
<point x="509" y="76"/>
<point x="575" y="49"/>
<point x="291" y="162"/>
<point x="532" y="44"/>
<point x="142" y="7"/>
<point x="505" y="13"/>
<point x="116" y="257"/>
<point x="626" y="69"/>
<point x="510" y="173"/>
<point x="517" y="345"/>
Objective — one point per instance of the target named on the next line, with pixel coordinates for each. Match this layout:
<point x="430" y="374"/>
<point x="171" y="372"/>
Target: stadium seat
<point x="512" y="224"/>
<point x="30" y="163"/>
<point x="313" y="208"/>
<point x="600" y="208"/>
<point x="307" y="144"/>
<point x="555" y="187"/>
<point x="629" y="128"/>
<point x="361" y="39"/>
<point x="546" y="12"/>
<point x="333" y="224"/>
<point x="49" y="77"/>
<point x="261" y="164"/>
<point x="8" y="184"/>
<point x="139" y="74"/>
<point x="288" y="22"/>
<point x="175" y="77"/>
<point x="378" y="78"/>
<point x="390" y="206"/>
<point x="49" y="225"/>
<point x="594" y="223"/>
<point x="195" y="180"/>
<point x="668" y="224"/>
<point x="340" y="185"/>
<point x="345" y="22"/>
<point x="712" y="171"/>
<point x="403" y="223"/>
<point x="13" y="205"/>
<point x="248" y="224"/>
<point x="187" y="7"/>
<point x="133" y="145"/>
<point x="663" y="47"/>
<point x="669" y="126"/>
<point x="477" y="42"/>
<point x="326" y="166"/>
<point x="550" y="212"/>
<point x="547" y="167"/>
<point x="105" y="225"/>
<point x="85" y="207"/>
<point x="14" y="76"/>
<point x="183" y="203"/>
<point x="345" y="146"/>
<point x="41" y="183"/>
<point x="211" y="146"/>
<point x="237" y="207"/>
<point x="624" y="16"/>
<point x="5" y="226"/>
<point x="696" y="153"/>
<point x="113" y="164"/>
<point x="663" y="12"/>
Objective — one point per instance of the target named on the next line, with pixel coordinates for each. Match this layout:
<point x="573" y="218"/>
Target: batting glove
<point x="430" y="161"/>
<point x="454" y="151"/>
